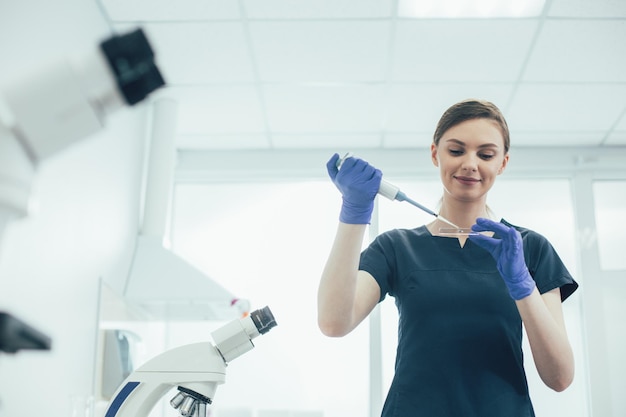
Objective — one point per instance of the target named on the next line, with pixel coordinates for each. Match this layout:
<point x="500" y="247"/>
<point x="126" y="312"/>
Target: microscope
<point x="62" y="103"/>
<point x="59" y="104"/>
<point x="195" y="369"/>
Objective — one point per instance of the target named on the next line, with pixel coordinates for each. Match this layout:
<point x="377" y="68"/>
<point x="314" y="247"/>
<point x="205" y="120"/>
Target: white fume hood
<point x="160" y="282"/>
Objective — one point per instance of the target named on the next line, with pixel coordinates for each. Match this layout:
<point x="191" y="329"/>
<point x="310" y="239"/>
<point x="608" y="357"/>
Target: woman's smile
<point x="466" y="180"/>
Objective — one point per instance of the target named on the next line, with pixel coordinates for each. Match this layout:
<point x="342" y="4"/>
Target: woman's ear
<point x="505" y="161"/>
<point x="433" y="154"/>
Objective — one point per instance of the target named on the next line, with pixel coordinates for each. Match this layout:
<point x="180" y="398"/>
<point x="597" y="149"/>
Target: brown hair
<point x="472" y="109"/>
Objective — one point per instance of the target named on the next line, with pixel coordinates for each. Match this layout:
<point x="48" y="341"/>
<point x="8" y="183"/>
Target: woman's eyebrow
<point x="484" y="145"/>
<point x="457" y="141"/>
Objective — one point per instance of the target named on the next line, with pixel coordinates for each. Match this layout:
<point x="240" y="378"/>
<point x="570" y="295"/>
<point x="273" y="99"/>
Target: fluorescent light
<point x="469" y="8"/>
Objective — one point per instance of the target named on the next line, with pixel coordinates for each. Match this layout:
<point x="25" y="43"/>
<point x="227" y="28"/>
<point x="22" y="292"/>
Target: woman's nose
<point x="470" y="162"/>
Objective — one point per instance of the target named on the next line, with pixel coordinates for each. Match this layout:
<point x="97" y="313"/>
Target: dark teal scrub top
<point x="459" y="335"/>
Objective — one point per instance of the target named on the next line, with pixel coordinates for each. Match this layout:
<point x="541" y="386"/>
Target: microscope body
<point x="197" y="368"/>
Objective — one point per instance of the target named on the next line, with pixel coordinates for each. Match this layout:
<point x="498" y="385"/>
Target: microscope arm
<point x="197" y="368"/>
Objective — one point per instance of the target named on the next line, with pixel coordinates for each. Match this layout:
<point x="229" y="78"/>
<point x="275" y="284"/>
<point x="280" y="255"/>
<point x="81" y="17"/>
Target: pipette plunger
<point x="393" y="193"/>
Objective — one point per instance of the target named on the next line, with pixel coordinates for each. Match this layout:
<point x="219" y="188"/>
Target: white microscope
<point x="59" y="104"/>
<point x="196" y="369"/>
<point x="62" y="103"/>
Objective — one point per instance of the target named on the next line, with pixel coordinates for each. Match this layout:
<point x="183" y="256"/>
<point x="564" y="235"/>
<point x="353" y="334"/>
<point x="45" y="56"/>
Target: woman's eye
<point x="456" y="152"/>
<point x="486" y="156"/>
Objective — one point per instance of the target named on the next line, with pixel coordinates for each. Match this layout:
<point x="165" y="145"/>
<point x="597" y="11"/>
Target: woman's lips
<point x="467" y="180"/>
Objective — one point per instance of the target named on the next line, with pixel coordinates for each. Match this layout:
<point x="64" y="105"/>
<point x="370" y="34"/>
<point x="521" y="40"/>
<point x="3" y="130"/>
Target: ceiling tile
<point x="418" y="107"/>
<point x="319" y="9"/>
<point x="461" y="50"/>
<point x="324" y="108"/>
<point x="231" y="142"/>
<point x="341" y="143"/>
<point x="408" y="140"/>
<point x="579" y="50"/>
<point x="617" y="137"/>
<point x="570" y="138"/>
<point x="566" y="107"/>
<point x="588" y="9"/>
<point x="321" y="51"/>
<point x="621" y="124"/>
<point x="165" y="10"/>
<point x="217" y="109"/>
<point x="201" y="52"/>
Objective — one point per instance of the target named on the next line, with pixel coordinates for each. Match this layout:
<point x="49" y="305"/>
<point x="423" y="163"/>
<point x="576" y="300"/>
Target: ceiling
<point x="293" y="74"/>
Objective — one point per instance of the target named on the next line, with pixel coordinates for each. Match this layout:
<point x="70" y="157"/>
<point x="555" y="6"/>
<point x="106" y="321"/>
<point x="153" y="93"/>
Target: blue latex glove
<point x="358" y="182"/>
<point x="508" y="252"/>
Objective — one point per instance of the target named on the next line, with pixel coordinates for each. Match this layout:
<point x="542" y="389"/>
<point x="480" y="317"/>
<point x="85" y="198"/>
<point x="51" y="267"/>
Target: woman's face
<point x="470" y="155"/>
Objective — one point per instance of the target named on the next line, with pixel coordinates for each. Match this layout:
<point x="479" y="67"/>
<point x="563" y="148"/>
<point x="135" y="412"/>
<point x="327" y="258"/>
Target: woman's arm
<point x="345" y="295"/>
<point x="542" y="315"/>
<point x="543" y="320"/>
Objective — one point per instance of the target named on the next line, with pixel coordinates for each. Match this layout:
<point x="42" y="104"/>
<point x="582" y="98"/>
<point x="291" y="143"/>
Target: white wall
<point x="51" y="262"/>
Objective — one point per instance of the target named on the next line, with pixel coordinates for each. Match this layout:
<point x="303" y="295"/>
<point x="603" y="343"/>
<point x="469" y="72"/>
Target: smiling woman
<point x="461" y="307"/>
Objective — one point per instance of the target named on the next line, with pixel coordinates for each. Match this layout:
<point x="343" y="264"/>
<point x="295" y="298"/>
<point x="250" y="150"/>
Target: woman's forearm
<point x="547" y="336"/>
<point x="338" y="284"/>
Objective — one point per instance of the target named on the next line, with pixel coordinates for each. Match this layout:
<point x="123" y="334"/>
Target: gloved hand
<point x="509" y="255"/>
<point x="358" y="182"/>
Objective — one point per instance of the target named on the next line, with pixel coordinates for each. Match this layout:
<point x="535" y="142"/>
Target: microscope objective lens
<point x="187" y="407"/>
<point x="177" y="400"/>
<point x="201" y="409"/>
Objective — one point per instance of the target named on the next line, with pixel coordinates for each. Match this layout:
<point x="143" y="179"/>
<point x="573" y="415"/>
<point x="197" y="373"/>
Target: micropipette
<point x="392" y="192"/>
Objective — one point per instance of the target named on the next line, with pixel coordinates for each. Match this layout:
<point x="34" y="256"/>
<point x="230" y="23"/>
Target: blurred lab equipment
<point x="15" y="335"/>
<point x="63" y="103"/>
<point x="60" y="104"/>
<point x="195" y="369"/>
<point x="392" y="192"/>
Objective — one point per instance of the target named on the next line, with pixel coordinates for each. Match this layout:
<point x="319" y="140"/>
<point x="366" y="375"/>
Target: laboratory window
<point x="610" y="211"/>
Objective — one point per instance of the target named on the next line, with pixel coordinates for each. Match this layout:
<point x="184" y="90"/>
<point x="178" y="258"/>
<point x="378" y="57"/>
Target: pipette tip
<point x="443" y="219"/>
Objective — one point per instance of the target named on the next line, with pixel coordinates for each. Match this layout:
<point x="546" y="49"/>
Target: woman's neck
<point x="463" y="213"/>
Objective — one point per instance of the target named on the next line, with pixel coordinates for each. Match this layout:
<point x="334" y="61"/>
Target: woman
<point x="461" y="303"/>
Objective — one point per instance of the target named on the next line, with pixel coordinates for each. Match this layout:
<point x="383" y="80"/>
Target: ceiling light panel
<point x="588" y="9"/>
<point x="469" y="9"/>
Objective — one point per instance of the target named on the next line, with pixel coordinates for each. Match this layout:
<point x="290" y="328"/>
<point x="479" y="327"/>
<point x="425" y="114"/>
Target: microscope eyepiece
<point x="263" y="319"/>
